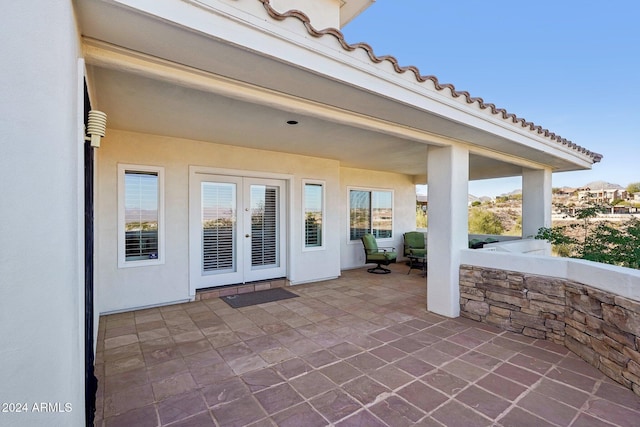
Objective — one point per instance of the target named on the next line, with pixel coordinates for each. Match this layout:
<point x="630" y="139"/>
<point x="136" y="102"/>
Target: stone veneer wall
<point x="602" y="328"/>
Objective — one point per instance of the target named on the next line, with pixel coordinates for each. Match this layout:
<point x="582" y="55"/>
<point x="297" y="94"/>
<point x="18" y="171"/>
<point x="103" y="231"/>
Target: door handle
<point x="247" y="235"/>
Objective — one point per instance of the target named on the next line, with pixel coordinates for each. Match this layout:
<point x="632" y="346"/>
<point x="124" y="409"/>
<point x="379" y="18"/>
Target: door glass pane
<point x="264" y="226"/>
<point x="359" y="214"/>
<point x="218" y="227"/>
<point x="382" y="213"/>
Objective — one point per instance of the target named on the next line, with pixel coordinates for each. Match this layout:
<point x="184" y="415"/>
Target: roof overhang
<point x="215" y="74"/>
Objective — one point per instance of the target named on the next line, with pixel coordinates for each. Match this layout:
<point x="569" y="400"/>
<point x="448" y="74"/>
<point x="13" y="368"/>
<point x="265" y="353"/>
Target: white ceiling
<point x="144" y="105"/>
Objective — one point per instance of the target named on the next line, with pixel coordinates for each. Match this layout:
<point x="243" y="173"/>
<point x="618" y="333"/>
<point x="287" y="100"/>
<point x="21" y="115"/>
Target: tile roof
<point x="595" y="157"/>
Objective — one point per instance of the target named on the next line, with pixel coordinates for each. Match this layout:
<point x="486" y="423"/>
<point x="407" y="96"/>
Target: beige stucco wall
<point x="322" y="13"/>
<point x="126" y="288"/>
<point x="404" y="213"/>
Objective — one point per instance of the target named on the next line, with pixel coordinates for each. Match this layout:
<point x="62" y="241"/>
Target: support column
<point x="448" y="184"/>
<point x="536" y="201"/>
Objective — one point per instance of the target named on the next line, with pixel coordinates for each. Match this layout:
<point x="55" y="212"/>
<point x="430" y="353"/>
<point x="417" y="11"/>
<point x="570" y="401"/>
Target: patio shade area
<point x="360" y="350"/>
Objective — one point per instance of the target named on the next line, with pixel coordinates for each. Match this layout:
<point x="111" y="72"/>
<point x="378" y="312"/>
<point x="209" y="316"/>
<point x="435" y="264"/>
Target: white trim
<point x="122" y="262"/>
<point x="321" y="279"/>
<point x="323" y="233"/>
<point x="207" y="170"/>
<point x="197" y="172"/>
<point x="393" y="210"/>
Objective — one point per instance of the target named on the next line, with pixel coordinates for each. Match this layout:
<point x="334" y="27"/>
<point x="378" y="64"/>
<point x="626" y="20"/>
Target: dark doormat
<point x="258" y="297"/>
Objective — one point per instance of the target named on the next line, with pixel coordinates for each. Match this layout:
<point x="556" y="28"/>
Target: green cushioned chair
<point x="414" y="244"/>
<point x="479" y="244"/>
<point x="378" y="255"/>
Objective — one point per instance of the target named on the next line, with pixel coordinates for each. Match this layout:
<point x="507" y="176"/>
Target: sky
<point x="570" y="66"/>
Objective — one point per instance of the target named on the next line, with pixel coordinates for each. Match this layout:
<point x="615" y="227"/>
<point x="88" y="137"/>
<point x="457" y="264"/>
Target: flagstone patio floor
<point x="361" y="350"/>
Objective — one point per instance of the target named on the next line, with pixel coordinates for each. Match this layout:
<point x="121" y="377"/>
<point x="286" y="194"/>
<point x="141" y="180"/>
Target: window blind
<point x="218" y="226"/>
<point x="264" y="226"/>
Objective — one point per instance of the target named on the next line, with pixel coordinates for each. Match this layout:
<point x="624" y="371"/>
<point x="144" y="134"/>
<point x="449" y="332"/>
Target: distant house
<point x="422" y="201"/>
<point x="601" y="195"/>
<point x="564" y="191"/>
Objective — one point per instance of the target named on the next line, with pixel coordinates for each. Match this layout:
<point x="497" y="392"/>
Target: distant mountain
<point x="473" y="198"/>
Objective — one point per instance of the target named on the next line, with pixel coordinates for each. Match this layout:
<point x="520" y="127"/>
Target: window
<point x="313" y="201"/>
<point x="140" y="216"/>
<point x="370" y="211"/>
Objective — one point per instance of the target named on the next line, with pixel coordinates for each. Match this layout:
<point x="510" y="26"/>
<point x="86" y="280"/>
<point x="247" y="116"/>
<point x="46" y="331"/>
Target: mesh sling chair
<point x="374" y="254"/>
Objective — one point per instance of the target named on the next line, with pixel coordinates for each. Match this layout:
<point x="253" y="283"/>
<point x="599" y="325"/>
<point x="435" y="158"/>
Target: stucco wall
<point x="322" y="13"/>
<point x="41" y="270"/>
<point x="128" y="288"/>
<point x="404" y="213"/>
<point x="121" y="289"/>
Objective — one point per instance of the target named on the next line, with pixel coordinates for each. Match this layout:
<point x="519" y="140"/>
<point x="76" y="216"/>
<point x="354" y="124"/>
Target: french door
<point x="237" y="230"/>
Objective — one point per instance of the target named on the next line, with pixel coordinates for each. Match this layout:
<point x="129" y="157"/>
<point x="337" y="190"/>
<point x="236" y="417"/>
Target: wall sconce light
<point x="96" y="128"/>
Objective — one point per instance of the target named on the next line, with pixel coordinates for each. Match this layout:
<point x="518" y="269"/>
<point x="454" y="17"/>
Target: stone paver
<point x="359" y="350"/>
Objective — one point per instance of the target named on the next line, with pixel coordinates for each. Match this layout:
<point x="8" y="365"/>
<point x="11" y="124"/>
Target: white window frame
<point x="393" y="210"/>
<point x="306" y="248"/>
<point x="122" y="170"/>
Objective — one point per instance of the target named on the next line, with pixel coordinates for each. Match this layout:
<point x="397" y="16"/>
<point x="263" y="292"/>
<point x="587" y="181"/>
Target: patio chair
<point x="479" y="244"/>
<point x="378" y="255"/>
<point x="414" y="244"/>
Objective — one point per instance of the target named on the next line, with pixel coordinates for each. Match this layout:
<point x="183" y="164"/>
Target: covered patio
<point x="354" y="351"/>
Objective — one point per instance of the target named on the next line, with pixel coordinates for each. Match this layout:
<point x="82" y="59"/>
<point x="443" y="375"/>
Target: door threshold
<point x="240" y="288"/>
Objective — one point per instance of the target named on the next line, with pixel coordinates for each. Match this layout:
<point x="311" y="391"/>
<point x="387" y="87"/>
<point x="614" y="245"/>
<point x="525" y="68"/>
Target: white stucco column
<point x="536" y="201"/>
<point x="448" y="184"/>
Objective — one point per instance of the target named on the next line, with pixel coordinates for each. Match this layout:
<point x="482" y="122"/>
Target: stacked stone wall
<point x="602" y="328"/>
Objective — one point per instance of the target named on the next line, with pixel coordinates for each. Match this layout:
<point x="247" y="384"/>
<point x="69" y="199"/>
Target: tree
<point x="634" y="187"/>
<point x="484" y="222"/>
<point x="603" y="242"/>
<point x="614" y="245"/>
<point x="421" y="218"/>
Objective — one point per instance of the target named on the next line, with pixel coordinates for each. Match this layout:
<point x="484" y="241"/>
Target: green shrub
<point x="484" y="222"/>
<point x="603" y="242"/>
